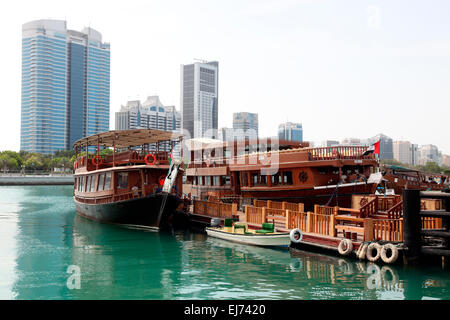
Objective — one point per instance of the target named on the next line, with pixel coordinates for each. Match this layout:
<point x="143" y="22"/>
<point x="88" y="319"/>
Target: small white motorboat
<point x="239" y="232"/>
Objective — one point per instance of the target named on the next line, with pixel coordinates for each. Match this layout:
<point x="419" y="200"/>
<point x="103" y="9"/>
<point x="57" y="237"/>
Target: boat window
<point x="107" y="181"/>
<point x="122" y="180"/>
<point x="244" y="179"/>
<point x="276" y="179"/>
<point x="254" y="179"/>
<point x="217" y="181"/>
<point x="287" y="177"/>
<point x="91" y="183"/>
<point x="82" y="184"/>
<point x="88" y="183"/>
<point x="227" y="180"/>
<point x="101" y="181"/>
<point x="263" y="180"/>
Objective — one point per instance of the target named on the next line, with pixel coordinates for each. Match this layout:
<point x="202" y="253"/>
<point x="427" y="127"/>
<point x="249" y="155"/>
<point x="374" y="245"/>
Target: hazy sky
<point x="342" y="68"/>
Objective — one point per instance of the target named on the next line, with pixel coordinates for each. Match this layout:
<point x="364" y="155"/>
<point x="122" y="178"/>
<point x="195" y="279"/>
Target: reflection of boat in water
<point x="281" y="257"/>
<point x="113" y="259"/>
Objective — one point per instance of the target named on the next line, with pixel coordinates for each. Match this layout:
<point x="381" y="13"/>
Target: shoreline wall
<point x="35" y="180"/>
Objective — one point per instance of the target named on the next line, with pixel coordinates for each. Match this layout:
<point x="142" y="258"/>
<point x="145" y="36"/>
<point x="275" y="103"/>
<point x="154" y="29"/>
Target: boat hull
<point x="280" y="240"/>
<point x="139" y="212"/>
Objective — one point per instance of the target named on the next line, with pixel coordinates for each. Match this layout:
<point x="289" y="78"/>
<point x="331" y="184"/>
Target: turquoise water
<point x="48" y="252"/>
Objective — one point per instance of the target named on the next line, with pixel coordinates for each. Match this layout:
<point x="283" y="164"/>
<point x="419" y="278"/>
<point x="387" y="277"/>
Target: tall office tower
<point x="290" y="131"/>
<point x="65" y="85"/>
<point x="245" y="125"/>
<point x="429" y="153"/>
<point x="403" y="151"/>
<point x="199" y="99"/>
<point x="386" y="146"/>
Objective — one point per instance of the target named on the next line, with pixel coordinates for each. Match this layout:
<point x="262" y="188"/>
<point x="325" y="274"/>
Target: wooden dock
<point x="376" y="219"/>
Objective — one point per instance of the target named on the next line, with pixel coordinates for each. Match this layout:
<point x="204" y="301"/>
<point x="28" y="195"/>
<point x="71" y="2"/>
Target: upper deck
<point x="216" y="159"/>
<point x="129" y="147"/>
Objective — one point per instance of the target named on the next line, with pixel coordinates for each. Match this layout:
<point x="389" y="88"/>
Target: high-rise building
<point x="65" y="85"/>
<point x="446" y="160"/>
<point x="429" y="153"/>
<point x="199" y="99"/>
<point x="329" y="143"/>
<point x="151" y="114"/>
<point x="353" y="142"/>
<point x="403" y="152"/>
<point x="245" y="125"/>
<point x="386" y="146"/>
<point x="290" y="131"/>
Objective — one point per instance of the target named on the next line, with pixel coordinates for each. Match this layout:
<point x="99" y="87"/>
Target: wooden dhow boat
<point x="240" y="233"/>
<point x="138" y="185"/>
<point x="281" y="171"/>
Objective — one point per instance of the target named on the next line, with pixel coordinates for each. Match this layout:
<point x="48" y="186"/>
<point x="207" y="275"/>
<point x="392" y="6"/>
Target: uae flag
<point x="374" y="148"/>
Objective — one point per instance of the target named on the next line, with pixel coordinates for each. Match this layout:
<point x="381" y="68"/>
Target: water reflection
<point x="119" y="263"/>
<point x="42" y="236"/>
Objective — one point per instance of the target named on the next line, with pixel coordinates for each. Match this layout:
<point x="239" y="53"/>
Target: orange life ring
<point x="82" y="161"/>
<point x="146" y="159"/>
<point x="75" y="165"/>
<point x="208" y="163"/>
<point x="161" y="180"/>
<point x="99" y="162"/>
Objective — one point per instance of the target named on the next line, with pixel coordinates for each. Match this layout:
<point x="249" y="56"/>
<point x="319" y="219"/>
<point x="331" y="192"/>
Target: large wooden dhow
<point x="138" y="185"/>
<point x="286" y="173"/>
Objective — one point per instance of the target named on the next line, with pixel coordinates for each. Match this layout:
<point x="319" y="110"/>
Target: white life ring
<point x="345" y="247"/>
<point x="369" y="253"/>
<point x="362" y="250"/>
<point x="296" y="235"/>
<point x="384" y="253"/>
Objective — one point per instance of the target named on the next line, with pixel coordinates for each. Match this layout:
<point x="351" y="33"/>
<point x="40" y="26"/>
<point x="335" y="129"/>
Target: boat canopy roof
<point x="127" y="138"/>
<point x="399" y="168"/>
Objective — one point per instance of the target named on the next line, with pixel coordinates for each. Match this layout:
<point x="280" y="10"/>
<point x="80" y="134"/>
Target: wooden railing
<point x="279" y="205"/>
<point x="388" y="229"/>
<point x="255" y="215"/>
<point x="215" y="209"/>
<point x="369" y="209"/>
<point x="341" y="152"/>
<point x="297" y="219"/>
<point x="325" y="210"/>
<point x="322" y="224"/>
<point x="396" y="212"/>
<point x="387" y="202"/>
<point x="429" y="223"/>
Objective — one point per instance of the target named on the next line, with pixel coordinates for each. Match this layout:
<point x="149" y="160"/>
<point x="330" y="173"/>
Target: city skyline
<point x="383" y="75"/>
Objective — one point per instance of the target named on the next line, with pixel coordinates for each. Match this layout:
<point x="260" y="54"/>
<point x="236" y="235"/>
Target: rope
<point x="332" y="195"/>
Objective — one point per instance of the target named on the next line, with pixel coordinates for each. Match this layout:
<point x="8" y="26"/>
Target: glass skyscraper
<point x="290" y="131"/>
<point x="65" y="85"/>
<point x="199" y="99"/>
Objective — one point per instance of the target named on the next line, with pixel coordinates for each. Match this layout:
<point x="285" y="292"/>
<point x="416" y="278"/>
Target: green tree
<point x="34" y="161"/>
<point x="7" y="161"/>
